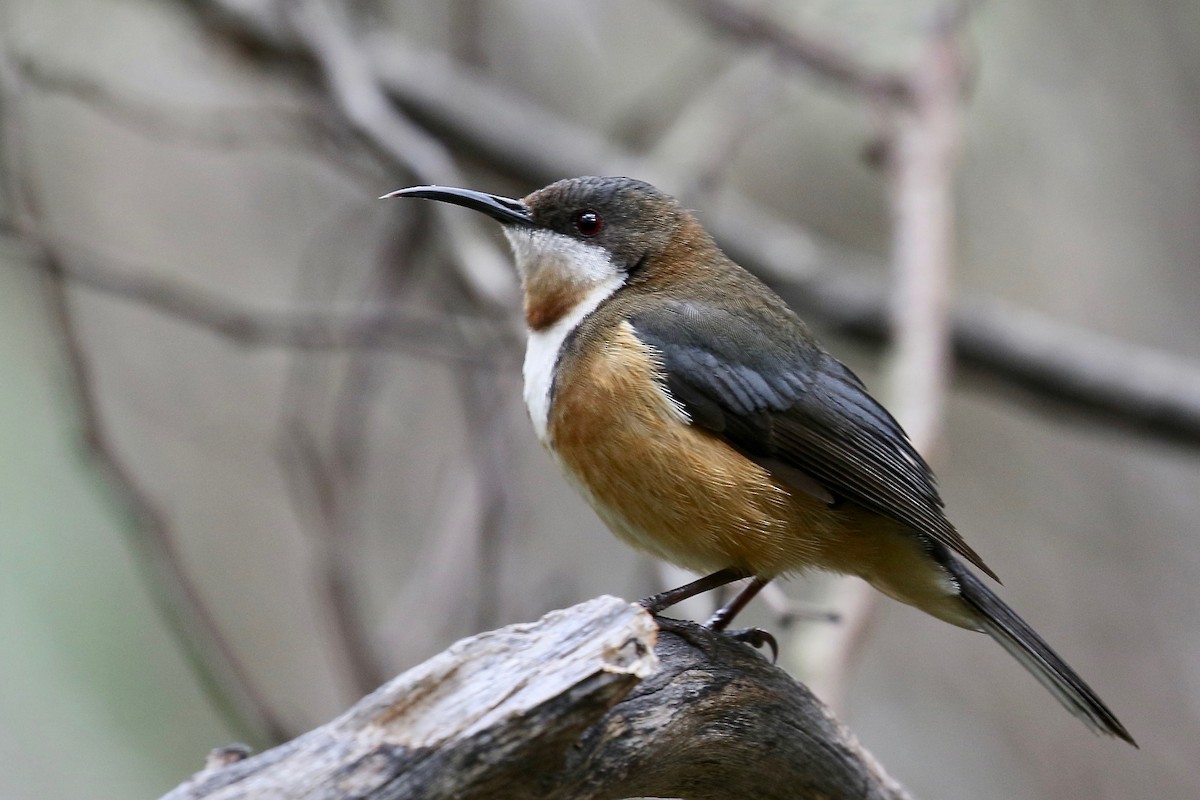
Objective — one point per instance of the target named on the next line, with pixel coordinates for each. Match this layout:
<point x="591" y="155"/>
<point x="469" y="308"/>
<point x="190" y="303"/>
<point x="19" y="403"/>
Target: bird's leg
<point x="664" y="600"/>
<point x="725" y="614"/>
<point x="755" y="637"/>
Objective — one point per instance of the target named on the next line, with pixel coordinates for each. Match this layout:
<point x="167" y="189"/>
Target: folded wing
<point x="790" y="406"/>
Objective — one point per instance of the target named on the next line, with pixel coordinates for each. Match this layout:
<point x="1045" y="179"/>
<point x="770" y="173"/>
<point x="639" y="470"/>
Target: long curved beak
<point x="504" y="210"/>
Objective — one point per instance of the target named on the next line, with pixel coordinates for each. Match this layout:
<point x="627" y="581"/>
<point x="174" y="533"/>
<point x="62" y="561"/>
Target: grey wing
<point x="780" y="399"/>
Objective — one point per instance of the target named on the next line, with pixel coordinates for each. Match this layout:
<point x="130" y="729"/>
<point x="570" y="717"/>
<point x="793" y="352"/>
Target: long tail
<point x="1014" y="635"/>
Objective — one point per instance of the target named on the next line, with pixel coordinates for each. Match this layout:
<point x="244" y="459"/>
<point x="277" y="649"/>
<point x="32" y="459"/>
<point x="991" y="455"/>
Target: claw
<point x="756" y="638"/>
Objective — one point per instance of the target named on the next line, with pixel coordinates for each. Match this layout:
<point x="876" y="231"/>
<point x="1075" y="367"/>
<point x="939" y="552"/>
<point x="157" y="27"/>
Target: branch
<point x="324" y="28"/>
<point x="1054" y="366"/>
<point x="470" y="340"/>
<point x="491" y="449"/>
<point x="815" y="55"/>
<point x="592" y="702"/>
<point x="218" y="670"/>
<point x="921" y="165"/>
<point x="922" y="154"/>
<point x="325" y="483"/>
<point x="310" y="130"/>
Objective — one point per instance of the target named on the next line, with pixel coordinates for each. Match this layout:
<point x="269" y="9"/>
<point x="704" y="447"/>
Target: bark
<point x="600" y="700"/>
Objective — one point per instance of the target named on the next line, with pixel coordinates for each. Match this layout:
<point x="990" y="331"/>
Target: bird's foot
<point x="756" y="638"/>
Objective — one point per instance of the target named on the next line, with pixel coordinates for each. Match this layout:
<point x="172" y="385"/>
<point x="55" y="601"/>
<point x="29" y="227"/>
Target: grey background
<point x="1078" y="197"/>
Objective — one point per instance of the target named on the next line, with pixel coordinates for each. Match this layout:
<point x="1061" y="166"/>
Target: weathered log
<point x="600" y="700"/>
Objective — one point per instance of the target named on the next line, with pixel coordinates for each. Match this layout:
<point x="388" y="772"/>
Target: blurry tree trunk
<point x="600" y="700"/>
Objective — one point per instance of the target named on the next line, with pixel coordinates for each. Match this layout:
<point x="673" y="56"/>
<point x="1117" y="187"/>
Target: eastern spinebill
<point x="705" y="425"/>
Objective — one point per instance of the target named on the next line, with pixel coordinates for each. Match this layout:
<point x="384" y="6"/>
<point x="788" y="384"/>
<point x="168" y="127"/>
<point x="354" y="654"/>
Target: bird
<point x="704" y="423"/>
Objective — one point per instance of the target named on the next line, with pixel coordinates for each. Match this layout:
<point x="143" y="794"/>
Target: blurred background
<point x="262" y="438"/>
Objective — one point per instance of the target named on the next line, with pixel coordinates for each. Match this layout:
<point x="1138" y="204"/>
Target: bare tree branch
<point x="300" y="128"/>
<point x="467" y="30"/>
<point x="921" y="159"/>
<point x="218" y="670"/>
<point x="596" y="702"/>
<point x="452" y="337"/>
<point x="325" y="483"/>
<point x="815" y="55"/>
<point x="492" y="452"/>
<point x="352" y="82"/>
<point x="921" y="166"/>
<point x="319" y="495"/>
<point x="1054" y="366"/>
<point x="748" y="105"/>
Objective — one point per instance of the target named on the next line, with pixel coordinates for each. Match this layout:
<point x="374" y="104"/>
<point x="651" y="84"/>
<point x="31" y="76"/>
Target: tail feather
<point x="1014" y="635"/>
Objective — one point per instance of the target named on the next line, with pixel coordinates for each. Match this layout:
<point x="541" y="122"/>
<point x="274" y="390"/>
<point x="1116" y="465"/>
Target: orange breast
<point x="667" y="487"/>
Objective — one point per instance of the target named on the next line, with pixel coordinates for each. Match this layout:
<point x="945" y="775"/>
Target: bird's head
<point x="579" y="238"/>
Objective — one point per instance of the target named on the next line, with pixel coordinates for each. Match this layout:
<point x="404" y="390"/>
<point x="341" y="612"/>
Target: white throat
<point x="544" y="257"/>
<point x="537" y="251"/>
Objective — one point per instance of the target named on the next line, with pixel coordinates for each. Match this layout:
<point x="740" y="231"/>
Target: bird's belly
<point x="669" y="488"/>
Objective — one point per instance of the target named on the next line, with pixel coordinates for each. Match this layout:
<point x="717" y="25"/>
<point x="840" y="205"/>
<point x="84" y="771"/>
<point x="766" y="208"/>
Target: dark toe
<point x="756" y="637"/>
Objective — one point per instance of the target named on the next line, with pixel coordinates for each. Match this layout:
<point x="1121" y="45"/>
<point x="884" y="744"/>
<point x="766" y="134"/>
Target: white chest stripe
<point x="541" y="353"/>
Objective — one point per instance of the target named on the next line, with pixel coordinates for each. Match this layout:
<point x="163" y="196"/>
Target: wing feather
<point x="780" y="398"/>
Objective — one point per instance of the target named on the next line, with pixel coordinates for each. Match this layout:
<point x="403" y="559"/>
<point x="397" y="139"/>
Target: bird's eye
<point x="588" y="222"/>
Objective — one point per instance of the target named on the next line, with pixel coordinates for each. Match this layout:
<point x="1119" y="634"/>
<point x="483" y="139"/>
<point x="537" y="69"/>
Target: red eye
<point x="588" y="222"/>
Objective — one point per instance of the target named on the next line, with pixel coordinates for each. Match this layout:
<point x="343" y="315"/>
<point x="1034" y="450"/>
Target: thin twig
<point x="445" y="567"/>
<point x="325" y="482"/>
<point x="219" y="128"/>
<point x="492" y="451"/>
<point x="749" y="102"/>
<point x="352" y="82"/>
<point x="451" y="337"/>
<point x="665" y="97"/>
<point x="360" y="386"/>
<point x="316" y="492"/>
